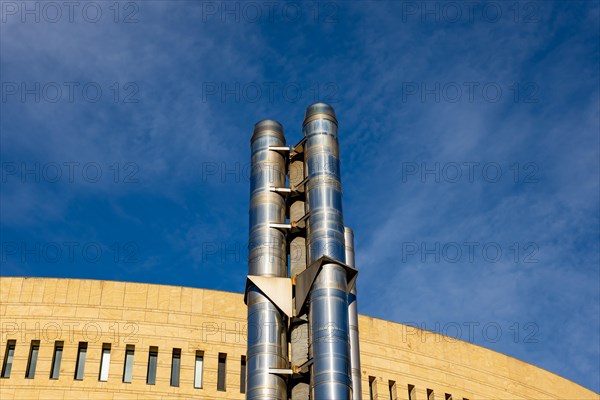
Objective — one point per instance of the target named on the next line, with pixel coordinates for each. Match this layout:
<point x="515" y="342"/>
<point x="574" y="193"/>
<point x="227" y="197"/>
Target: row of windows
<point x="127" y="365"/>
<point x="412" y="393"/>
<point x="152" y="364"/>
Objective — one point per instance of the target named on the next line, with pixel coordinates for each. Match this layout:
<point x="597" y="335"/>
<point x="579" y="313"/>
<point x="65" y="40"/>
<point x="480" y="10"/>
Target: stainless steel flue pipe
<point x="353" y="321"/>
<point x="267" y="324"/>
<point x="328" y="307"/>
<point x="321" y="304"/>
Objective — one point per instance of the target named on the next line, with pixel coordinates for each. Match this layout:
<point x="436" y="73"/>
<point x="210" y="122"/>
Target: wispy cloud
<point x="172" y="159"/>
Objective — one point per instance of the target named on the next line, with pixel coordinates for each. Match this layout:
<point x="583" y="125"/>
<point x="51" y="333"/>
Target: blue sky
<point x="468" y="135"/>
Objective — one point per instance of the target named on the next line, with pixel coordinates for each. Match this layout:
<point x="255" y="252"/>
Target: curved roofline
<point x="484" y="348"/>
<point x="116" y="280"/>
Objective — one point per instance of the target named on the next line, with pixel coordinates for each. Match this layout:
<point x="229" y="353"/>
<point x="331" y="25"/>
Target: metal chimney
<point x="267" y="257"/>
<point x="320" y="310"/>
<point x="353" y="319"/>
<point x="328" y="315"/>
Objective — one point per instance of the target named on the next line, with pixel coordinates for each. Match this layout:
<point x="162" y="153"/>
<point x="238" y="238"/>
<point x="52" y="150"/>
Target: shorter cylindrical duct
<point x="353" y="322"/>
<point x="267" y="257"/>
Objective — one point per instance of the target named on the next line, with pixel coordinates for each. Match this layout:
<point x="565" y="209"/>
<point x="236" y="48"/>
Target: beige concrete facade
<point x="394" y="357"/>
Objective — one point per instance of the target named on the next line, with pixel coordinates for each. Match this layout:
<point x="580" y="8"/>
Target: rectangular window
<point x="243" y="375"/>
<point x="80" y="365"/>
<point x="152" y="361"/>
<point x="198" y="369"/>
<point x="128" y="367"/>
<point x="175" y="366"/>
<point x="430" y="395"/>
<point x="56" y="359"/>
<point x="412" y="395"/>
<point x="372" y="390"/>
<point x="221" y="372"/>
<point x="9" y="356"/>
<point x="104" y="363"/>
<point x="392" y="386"/>
<point x="448" y="396"/>
<point x="32" y="361"/>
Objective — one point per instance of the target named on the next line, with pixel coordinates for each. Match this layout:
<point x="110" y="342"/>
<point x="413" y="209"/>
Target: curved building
<point x="87" y="339"/>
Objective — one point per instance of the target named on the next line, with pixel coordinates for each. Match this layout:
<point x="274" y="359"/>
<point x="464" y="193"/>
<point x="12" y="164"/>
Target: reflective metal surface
<point x="353" y="321"/>
<point x="267" y="325"/>
<point x="323" y="321"/>
<point x="328" y="315"/>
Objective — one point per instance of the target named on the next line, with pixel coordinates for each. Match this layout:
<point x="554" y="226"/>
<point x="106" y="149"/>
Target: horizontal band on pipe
<point x="320" y="115"/>
<point x="268" y="127"/>
<point x="320" y="141"/>
<point x="264" y="198"/>
<point x="318" y="179"/>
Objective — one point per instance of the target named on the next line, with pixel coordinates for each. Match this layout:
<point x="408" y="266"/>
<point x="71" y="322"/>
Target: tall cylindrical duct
<point x="328" y="308"/>
<point x="267" y="325"/>
<point x="353" y="321"/>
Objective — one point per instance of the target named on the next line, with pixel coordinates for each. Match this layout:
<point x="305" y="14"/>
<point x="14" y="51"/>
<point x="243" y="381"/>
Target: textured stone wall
<point x="213" y="322"/>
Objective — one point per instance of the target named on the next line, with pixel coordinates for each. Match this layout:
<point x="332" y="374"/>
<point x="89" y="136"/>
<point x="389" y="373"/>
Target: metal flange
<point x="306" y="279"/>
<point x="277" y="290"/>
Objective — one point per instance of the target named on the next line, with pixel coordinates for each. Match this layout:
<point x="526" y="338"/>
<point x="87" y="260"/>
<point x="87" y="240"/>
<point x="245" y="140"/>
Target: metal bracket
<point x="292" y="192"/>
<point x="286" y="150"/>
<point x="280" y="371"/>
<point x="304" y="368"/>
<point x="289" y="192"/>
<point x="306" y="279"/>
<point x="298" y="149"/>
<point x="278" y="291"/>
<point x="285" y="192"/>
<point x="280" y="190"/>
<point x="298" y="228"/>
<point x="301" y="223"/>
<point x="300" y="186"/>
<point x="282" y="227"/>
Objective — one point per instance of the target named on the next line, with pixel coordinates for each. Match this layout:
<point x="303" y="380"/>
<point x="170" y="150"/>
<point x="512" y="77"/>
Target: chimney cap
<point x="268" y="127"/>
<point x="319" y="110"/>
